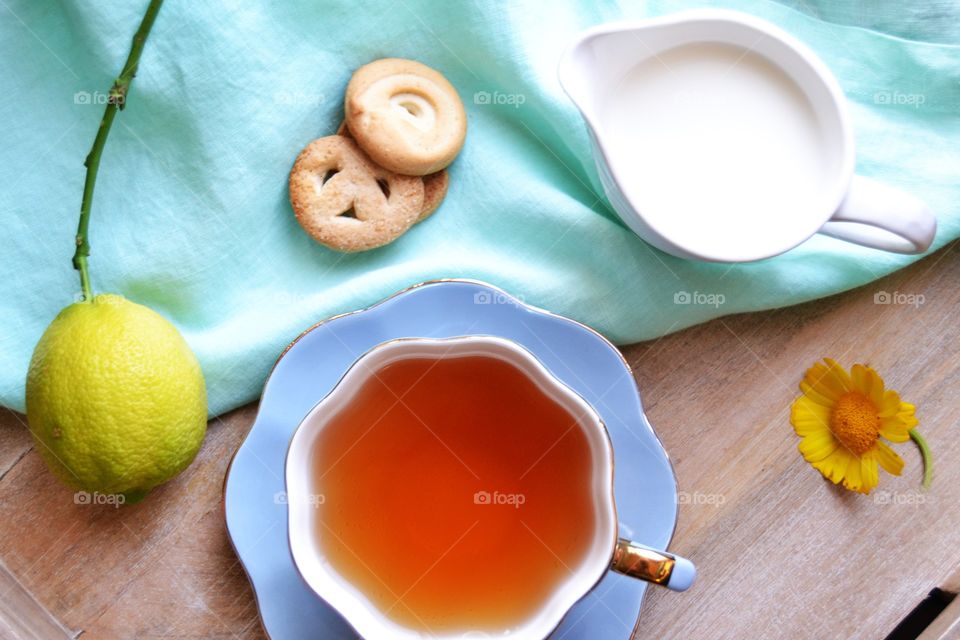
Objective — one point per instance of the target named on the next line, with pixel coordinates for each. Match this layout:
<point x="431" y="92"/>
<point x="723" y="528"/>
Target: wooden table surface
<point x="781" y="552"/>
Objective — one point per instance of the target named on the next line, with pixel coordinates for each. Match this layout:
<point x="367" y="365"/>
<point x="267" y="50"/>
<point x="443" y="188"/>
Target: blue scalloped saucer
<point x="254" y="499"/>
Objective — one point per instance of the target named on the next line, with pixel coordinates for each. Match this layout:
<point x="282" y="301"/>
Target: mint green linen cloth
<point x="191" y="215"/>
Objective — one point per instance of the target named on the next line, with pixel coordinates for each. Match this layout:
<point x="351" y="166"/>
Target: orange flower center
<point x="855" y="423"/>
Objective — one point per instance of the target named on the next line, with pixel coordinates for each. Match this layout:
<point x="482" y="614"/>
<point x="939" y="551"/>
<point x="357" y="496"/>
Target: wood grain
<point x="22" y="617"/>
<point x="14" y="439"/>
<point x="781" y="552"/>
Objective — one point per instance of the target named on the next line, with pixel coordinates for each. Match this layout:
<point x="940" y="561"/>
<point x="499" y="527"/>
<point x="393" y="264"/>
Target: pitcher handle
<point x="877" y="215"/>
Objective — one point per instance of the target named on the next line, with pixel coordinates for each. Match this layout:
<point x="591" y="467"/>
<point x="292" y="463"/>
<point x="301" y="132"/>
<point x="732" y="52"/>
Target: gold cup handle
<point x="668" y="570"/>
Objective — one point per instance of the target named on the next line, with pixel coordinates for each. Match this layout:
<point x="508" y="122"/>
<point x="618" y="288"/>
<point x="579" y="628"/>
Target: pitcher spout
<point x="595" y="63"/>
<point x="577" y="76"/>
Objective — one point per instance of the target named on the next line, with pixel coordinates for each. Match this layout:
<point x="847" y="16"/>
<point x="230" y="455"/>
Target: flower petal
<point x="838" y="378"/>
<point x="890" y="461"/>
<point x="869" y="382"/>
<point x="817" y="447"/>
<point x="907" y="414"/>
<point x="876" y="389"/>
<point x="824" y="384"/>
<point x="895" y="429"/>
<point x="868" y="471"/>
<point x="851" y="478"/>
<point x="860" y="378"/>
<point x="808" y="417"/>
<point x="891" y="404"/>
<point x="834" y="466"/>
<point x="827" y="399"/>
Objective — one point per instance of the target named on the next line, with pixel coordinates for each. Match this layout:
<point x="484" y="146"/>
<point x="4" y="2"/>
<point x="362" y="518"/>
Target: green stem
<point x="927" y="457"/>
<point x="116" y="101"/>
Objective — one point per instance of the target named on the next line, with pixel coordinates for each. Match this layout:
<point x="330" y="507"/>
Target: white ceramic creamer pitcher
<point x="720" y="137"/>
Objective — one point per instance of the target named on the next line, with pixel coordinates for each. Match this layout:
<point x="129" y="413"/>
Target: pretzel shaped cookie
<point x="347" y="202"/>
<point x="407" y="116"/>
<point x="435" y="185"/>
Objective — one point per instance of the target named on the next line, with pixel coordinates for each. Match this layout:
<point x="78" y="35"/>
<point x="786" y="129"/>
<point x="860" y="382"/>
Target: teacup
<point x="348" y="563"/>
<point x="718" y="136"/>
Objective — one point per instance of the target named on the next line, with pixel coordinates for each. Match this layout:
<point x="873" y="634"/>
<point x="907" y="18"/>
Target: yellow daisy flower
<point x="841" y="418"/>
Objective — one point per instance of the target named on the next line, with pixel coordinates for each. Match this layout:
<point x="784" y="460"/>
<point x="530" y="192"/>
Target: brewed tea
<point x="456" y="494"/>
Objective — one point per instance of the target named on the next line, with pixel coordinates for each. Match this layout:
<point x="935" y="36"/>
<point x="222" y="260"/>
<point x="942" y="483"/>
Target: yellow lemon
<point x="116" y="400"/>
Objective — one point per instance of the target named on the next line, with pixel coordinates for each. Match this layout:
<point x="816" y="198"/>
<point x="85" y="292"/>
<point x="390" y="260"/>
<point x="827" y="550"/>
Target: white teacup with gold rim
<point x="454" y="488"/>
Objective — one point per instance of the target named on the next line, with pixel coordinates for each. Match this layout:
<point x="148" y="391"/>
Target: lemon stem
<point x="117" y="98"/>
<point x="927" y="457"/>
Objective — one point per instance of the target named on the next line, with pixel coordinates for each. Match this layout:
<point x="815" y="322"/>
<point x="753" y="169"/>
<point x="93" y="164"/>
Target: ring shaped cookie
<point x="332" y="177"/>
<point x="405" y="115"/>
